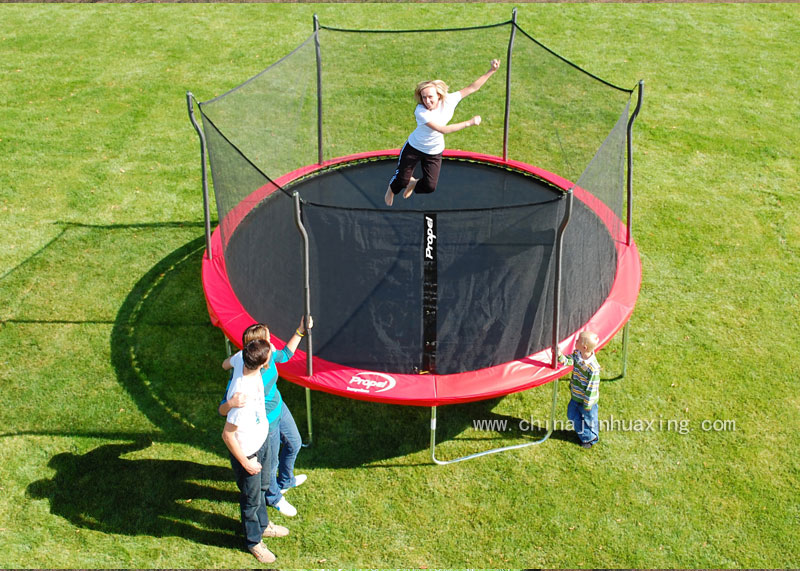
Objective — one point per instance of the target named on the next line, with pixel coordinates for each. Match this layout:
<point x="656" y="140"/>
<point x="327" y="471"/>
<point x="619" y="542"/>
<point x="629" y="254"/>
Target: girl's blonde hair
<point x="439" y="85"/>
<point x="257" y="331"/>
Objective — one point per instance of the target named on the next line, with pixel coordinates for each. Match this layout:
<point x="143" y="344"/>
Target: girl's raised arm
<point x="478" y="83"/>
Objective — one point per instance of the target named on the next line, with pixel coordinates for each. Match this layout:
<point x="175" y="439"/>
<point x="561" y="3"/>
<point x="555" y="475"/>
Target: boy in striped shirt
<point x="584" y="387"/>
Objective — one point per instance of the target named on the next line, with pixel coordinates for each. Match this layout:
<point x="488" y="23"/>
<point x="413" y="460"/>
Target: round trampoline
<point x="491" y="312"/>
<point x="455" y="296"/>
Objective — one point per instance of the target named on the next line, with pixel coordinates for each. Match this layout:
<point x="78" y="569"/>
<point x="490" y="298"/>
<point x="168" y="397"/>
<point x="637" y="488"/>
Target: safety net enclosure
<point x="453" y="296"/>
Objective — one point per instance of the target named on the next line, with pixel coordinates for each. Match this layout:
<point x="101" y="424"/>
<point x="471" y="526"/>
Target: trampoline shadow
<point x="102" y="491"/>
<point x="167" y="356"/>
<point x="350" y="433"/>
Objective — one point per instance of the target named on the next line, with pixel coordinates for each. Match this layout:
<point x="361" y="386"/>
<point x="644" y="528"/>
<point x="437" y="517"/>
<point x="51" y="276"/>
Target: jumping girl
<point x="426" y="143"/>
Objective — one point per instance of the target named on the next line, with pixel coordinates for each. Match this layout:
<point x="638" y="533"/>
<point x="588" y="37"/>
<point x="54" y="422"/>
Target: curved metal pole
<point x="508" y="82"/>
<point x="550" y="427"/>
<point x="206" y="207"/>
<point x="557" y="280"/>
<point x="629" y="214"/>
<point x="307" y="309"/>
<point x="319" y="90"/>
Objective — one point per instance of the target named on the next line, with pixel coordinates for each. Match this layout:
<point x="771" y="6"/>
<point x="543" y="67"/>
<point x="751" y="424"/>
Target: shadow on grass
<point x="167" y="356"/>
<point x="350" y="433"/>
<point x="64" y="227"/>
<point x="166" y="353"/>
<point x="102" y="491"/>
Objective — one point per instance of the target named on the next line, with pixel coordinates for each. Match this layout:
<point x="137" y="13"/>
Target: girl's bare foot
<point x="389" y="197"/>
<point x="410" y="188"/>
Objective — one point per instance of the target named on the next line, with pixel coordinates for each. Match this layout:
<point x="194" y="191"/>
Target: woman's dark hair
<point x="255" y="354"/>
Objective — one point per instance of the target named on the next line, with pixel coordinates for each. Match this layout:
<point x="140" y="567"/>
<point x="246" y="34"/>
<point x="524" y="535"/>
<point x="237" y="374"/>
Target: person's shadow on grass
<point x="100" y="490"/>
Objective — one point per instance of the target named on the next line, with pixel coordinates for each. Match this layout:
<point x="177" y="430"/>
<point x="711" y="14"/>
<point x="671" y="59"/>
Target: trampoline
<point x="457" y="296"/>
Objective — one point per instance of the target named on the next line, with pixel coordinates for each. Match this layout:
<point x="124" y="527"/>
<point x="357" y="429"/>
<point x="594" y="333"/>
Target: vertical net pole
<point x="508" y="82"/>
<point x="306" y="281"/>
<point x="308" y="418"/>
<point x="557" y="280"/>
<point x="307" y="308"/>
<point x="319" y="90"/>
<point x="629" y="213"/>
<point x="206" y="208"/>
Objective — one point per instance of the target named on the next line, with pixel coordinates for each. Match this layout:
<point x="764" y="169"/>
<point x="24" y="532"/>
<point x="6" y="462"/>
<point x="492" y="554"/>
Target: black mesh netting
<point x="495" y="227"/>
<point x="494" y="267"/>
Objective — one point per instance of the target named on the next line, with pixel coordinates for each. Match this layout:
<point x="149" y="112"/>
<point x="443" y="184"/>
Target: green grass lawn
<point x="110" y="449"/>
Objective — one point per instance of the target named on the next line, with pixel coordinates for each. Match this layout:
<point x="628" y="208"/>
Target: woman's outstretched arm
<point x="453" y="127"/>
<point x="478" y="83"/>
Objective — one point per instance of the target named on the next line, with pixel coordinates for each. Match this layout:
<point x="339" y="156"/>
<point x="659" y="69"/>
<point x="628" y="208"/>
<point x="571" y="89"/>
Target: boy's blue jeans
<point x="252" y="487"/>
<point x="281" y="459"/>
<point x="585" y="422"/>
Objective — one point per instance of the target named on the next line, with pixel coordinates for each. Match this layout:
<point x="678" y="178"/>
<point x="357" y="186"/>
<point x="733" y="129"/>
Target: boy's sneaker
<point x="286" y="508"/>
<point x="588" y="444"/>
<point x="298" y="480"/>
<point x="263" y="554"/>
<point x="275" y="530"/>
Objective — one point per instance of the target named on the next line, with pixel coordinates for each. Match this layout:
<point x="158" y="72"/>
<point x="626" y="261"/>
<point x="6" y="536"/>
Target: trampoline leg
<point x="625" y="350"/>
<point x="433" y="435"/>
<point x="308" y="419"/>
<point x="550" y="426"/>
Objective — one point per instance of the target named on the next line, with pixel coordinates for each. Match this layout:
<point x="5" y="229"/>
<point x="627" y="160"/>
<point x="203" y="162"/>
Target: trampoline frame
<point x="304" y="235"/>
<point x="551" y="353"/>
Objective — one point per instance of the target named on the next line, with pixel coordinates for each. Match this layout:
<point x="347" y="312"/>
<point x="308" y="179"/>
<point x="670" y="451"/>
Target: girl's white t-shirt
<point x="428" y="140"/>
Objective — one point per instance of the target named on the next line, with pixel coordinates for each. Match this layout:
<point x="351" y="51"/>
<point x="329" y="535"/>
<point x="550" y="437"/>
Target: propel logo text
<point x="365" y="382"/>
<point x="430" y="238"/>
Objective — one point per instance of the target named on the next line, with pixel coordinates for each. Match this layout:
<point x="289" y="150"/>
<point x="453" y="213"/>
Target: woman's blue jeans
<point x="291" y="442"/>
<point x="281" y="458"/>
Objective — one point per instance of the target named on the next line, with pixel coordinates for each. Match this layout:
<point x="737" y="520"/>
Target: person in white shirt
<point x="245" y="435"/>
<point x="435" y="108"/>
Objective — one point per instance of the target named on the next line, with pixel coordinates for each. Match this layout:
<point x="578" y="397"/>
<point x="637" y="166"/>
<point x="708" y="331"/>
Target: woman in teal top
<point x="282" y="427"/>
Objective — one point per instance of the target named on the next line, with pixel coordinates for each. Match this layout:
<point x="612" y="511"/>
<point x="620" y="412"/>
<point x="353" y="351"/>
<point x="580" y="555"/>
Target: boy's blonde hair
<point x="439" y="85"/>
<point x="257" y="331"/>
<point x="591" y="340"/>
